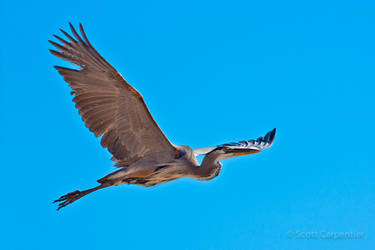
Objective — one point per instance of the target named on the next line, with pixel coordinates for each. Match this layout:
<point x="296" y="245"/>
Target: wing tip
<point x="272" y="133"/>
<point x="55" y="53"/>
<point x="270" y="137"/>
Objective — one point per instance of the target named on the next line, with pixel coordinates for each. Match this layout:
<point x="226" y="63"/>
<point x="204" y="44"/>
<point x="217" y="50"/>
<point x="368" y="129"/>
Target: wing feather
<point x="109" y="106"/>
<point x="261" y="142"/>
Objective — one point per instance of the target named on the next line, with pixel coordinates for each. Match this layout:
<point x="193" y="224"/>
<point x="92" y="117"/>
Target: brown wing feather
<point x="109" y="106"/>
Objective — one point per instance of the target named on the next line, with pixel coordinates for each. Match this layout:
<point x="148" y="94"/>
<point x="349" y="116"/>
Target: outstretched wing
<point x="109" y="106"/>
<point x="261" y="143"/>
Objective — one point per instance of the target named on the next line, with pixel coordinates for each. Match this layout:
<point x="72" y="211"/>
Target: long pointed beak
<point x="242" y="151"/>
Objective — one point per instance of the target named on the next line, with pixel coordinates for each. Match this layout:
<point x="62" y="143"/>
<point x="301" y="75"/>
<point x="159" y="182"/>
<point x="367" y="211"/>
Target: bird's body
<point x="113" y="109"/>
<point x="149" y="171"/>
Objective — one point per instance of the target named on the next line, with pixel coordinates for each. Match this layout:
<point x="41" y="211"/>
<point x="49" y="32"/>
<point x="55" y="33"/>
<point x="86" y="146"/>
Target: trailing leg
<point x="73" y="196"/>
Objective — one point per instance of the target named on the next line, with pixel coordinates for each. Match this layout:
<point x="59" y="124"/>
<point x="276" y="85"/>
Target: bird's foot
<point x="69" y="198"/>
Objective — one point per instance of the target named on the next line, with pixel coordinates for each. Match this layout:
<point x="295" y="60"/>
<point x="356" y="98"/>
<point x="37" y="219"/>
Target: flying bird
<point x="115" y="111"/>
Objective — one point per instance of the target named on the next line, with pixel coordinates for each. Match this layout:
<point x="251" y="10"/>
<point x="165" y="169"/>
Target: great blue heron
<point x="112" y="108"/>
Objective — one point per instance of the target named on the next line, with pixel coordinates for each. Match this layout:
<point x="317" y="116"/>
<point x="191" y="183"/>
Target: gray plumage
<point x="112" y="109"/>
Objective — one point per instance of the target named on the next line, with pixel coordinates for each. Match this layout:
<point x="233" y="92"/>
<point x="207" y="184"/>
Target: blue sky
<point x="211" y="73"/>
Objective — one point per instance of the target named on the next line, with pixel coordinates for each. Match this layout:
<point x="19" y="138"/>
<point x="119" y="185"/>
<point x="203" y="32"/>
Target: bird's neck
<point x="210" y="167"/>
